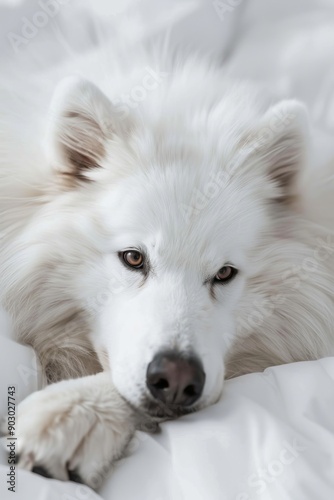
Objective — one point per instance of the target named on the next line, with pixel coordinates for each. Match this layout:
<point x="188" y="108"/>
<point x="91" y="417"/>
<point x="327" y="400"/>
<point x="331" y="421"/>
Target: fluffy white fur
<point x="203" y="172"/>
<point x="72" y="418"/>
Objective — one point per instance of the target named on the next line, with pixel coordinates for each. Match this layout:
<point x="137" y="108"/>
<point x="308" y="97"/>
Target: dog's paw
<point x="73" y="430"/>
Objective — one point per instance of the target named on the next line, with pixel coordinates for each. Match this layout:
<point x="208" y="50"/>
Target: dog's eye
<point x="225" y="274"/>
<point x="133" y="258"/>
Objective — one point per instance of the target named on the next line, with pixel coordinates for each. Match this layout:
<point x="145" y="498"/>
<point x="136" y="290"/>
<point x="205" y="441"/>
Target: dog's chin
<point x="159" y="412"/>
<point x="150" y="413"/>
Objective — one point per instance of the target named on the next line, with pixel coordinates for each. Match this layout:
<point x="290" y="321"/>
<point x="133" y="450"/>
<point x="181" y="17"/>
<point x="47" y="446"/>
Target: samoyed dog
<point x="163" y="227"/>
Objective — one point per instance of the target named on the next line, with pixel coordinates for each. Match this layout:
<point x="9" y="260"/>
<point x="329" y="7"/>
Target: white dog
<point x="154" y="245"/>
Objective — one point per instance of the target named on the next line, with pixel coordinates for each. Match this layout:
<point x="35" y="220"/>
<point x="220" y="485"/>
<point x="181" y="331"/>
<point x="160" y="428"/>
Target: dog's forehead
<point x="183" y="213"/>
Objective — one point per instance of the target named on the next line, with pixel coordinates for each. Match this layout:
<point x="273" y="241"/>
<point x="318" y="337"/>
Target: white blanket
<point x="271" y="437"/>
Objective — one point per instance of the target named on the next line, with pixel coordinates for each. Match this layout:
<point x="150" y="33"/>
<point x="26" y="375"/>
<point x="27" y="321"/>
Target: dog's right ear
<point x="81" y="121"/>
<point x="278" y="147"/>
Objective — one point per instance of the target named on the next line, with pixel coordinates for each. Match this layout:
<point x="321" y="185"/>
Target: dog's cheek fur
<point x="41" y="291"/>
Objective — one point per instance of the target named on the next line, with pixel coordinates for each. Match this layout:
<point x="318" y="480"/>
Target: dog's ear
<point x="81" y="121"/>
<point x="280" y="144"/>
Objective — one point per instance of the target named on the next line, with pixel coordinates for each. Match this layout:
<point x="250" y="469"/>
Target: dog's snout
<point x="175" y="379"/>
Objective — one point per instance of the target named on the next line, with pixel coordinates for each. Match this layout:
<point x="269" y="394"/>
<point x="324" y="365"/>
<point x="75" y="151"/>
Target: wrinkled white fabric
<point x="270" y="437"/>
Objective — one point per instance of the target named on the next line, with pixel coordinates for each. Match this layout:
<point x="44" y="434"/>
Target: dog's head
<point x="166" y="214"/>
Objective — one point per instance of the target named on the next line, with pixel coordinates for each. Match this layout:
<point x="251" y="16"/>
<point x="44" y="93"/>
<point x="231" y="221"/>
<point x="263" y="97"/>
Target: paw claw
<point x="75" y="477"/>
<point x="41" y="471"/>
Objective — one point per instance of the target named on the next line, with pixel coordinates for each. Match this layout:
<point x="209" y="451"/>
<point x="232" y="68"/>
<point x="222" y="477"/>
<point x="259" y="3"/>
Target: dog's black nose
<point x="175" y="379"/>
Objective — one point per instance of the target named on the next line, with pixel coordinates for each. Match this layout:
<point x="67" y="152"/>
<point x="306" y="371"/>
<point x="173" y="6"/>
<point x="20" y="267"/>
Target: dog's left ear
<point x="81" y="121"/>
<point x="280" y="144"/>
